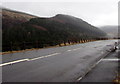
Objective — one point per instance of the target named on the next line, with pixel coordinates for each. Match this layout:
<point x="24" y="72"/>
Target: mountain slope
<point x="112" y="31"/>
<point x="20" y="28"/>
<point x="79" y="24"/>
<point x="11" y="18"/>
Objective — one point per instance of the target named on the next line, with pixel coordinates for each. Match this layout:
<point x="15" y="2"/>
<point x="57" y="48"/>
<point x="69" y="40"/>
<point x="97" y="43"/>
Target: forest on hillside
<point x="37" y="32"/>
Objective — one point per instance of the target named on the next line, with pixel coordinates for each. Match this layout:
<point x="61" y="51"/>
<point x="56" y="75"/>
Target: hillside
<point x="11" y="18"/>
<point x="21" y="30"/>
<point x="112" y="31"/>
<point x="11" y="14"/>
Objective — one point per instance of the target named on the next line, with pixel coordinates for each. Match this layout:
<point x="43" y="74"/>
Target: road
<point x="105" y="71"/>
<point x="61" y="64"/>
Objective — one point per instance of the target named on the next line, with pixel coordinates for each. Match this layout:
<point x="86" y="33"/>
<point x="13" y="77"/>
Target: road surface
<point x="105" y="71"/>
<point x="61" y="64"/>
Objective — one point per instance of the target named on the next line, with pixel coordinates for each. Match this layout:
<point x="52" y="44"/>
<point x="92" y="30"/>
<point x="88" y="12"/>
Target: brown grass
<point x="117" y="80"/>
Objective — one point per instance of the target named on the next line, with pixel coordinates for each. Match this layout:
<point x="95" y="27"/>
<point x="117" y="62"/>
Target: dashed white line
<point x="73" y="49"/>
<point x="22" y="60"/>
<point x="69" y="50"/>
<point x="27" y="59"/>
<point x="44" y="56"/>
<point x="76" y="49"/>
<point x="79" y="78"/>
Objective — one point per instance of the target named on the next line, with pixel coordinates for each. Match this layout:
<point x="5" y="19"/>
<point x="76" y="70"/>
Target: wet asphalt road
<point x="105" y="71"/>
<point x="62" y="64"/>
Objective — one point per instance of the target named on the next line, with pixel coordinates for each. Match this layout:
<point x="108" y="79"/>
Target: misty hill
<point x="19" y="28"/>
<point x="11" y="18"/>
<point x="112" y="31"/>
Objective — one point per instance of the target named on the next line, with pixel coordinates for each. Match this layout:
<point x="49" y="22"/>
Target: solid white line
<point x="110" y="59"/>
<point x="13" y="62"/>
<point x="79" y="78"/>
<point x="99" y="61"/>
<point x="89" y="70"/>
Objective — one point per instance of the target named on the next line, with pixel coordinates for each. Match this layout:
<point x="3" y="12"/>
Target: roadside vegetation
<point x="20" y="33"/>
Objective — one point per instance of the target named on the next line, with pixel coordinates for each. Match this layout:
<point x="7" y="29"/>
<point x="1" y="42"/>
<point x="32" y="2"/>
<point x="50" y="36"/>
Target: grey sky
<point x="95" y="12"/>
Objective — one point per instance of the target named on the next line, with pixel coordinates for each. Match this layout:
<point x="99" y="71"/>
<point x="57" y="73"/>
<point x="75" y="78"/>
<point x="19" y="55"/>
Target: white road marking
<point x="111" y="60"/>
<point x="99" y="61"/>
<point x="69" y="50"/>
<point x="97" y="64"/>
<point x="44" y="56"/>
<point x="36" y="58"/>
<point x="13" y="62"/>
<point x="79" y="78"/>
<point x="22" y="60"/>
<point x="76" y="49"/>
<point x="73" y="49"/>
<point x="89" y="70"/>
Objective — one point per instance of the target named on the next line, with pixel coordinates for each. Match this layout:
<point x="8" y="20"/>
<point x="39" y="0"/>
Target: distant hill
<point x="112" y="31"/>
<point x="19" y="28"/>
<point x="11" y="18"/>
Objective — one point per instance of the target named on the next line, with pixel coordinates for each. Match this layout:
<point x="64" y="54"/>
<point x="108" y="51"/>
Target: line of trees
<point x="37" y="44"/>
<point x="39" y="33"/>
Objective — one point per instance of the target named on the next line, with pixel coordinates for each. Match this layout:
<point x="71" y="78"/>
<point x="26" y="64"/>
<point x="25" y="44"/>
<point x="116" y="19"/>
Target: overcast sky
<point x="95" y="12"/>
